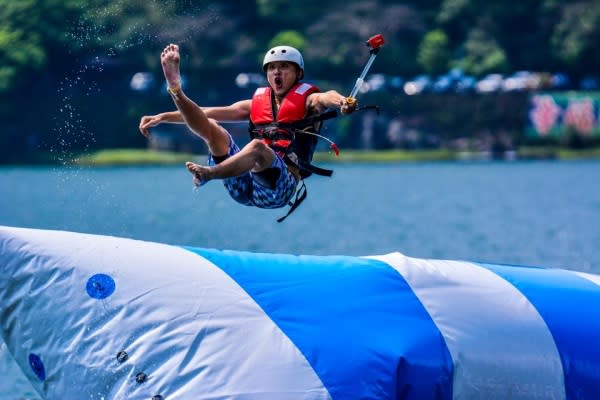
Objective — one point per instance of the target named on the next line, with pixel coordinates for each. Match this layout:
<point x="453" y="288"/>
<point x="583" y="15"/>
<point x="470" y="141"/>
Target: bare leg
<point x="215" y="136"/>
<point x="255" y="156"/>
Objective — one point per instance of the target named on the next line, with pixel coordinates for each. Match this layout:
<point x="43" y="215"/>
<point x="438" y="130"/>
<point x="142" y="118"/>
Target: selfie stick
<point x="374" y="44"/>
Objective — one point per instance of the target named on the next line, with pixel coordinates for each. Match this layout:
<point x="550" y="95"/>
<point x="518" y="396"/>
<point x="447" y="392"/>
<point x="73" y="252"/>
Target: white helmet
<point x="284" y="53"/>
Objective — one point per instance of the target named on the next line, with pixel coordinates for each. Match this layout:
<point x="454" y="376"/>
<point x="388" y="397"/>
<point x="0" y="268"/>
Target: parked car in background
<point x="396" y="84"/>
<point x="443" y="84"/>
<point x="490" y="83"/>
<point x="374" y="83"/>
<point x="521" y="81"/>
<point x="466" y="84"/>
<point x="560" y="81"/>
<point x="420" y="84"/>
<point x="454" y="80"/>
<point x="247" y="79"/>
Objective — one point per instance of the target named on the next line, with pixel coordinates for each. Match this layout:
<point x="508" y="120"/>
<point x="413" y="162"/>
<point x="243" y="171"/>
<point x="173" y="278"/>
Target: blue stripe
<point x="356" y="321"/>
<point x="569" y="306"/>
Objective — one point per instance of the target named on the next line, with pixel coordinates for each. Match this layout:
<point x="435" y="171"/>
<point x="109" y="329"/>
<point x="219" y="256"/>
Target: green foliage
<point x="42" y="43"/>
<point x="451" y="10"/>
<point x="434" y="54"/>
<point x="132" y="157"/>
<point x="576" y="36"/>
<point x="289" y="38"/>
<point x="138" y="29"/>
<point x="31" y="29"/>
<point x="18" y="52"/>
<point x="336" y="39"/>
<point x="294" y="13"/>
<point x="483" y="54"/>
<point x="386" y="156"/>
<point x="422" y="36"/>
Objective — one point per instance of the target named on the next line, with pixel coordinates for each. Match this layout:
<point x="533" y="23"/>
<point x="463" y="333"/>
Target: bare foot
<point x="201" y="173"/>
<point x="169" y="59"/>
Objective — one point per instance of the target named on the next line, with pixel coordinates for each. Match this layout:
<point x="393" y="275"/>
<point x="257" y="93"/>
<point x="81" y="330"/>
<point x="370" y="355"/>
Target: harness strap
<point x="320" y="117"/>
<point x="271" y="131"/>
<point x="293" y="159"/>
<point x="332" y="114"/>
<point x="300" y="196"/>
<point x="314" y="169"/>
<point x="280" y="130"/>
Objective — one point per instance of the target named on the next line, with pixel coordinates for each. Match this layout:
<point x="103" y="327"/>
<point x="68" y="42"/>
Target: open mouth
<point x="278" y="82"/>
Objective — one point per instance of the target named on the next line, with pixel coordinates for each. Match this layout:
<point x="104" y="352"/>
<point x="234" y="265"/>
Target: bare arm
<point x="173" y="117"/>
<point x="149" y="121"/>
<point x="330" y="99"/>
<point x="238" y="111"/>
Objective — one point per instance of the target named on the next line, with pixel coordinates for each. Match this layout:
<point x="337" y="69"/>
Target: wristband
<point x="175" y="92"/>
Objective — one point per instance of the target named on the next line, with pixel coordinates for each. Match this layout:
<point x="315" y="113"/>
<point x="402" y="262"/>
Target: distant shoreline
<point x="141" y="157"/>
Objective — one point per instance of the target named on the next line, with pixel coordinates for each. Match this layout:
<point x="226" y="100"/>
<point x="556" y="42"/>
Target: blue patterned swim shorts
<point x="252" y="190"/>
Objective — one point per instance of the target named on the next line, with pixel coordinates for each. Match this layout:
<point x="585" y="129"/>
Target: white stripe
<point x="500" y="345"/>
<point x="303" y="88"/>
<point x="590" y="277"/>
<point x="260" y="90"/>
<point x="183" y="321"/>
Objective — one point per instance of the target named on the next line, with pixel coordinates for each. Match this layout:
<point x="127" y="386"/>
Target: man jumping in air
<point x="266" y="172"/>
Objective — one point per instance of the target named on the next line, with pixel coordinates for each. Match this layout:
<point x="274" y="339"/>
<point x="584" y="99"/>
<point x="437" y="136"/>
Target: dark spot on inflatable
<point x="37" y="366"/>
<point x="141" y="377"/>
<point x="122" y="356"/>
<point x="157" y="397"/>
<point x="100" y="286"/>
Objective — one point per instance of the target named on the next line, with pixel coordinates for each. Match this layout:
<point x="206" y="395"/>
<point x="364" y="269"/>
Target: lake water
<point x="532" y="213"/>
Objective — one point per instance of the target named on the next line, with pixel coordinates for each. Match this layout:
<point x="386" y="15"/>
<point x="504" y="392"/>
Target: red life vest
<point x="292" y="109"/>
<point x="264" y="117"/>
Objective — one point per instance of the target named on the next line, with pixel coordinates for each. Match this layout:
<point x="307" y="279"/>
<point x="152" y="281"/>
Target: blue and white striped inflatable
<point x="99" y="317"/>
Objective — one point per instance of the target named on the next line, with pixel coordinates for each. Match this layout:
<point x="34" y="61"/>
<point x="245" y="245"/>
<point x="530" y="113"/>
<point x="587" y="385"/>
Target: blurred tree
<point x="289" y="38"/>
<point x="434" y="52"/>
<point x="294" y="14"/>
<point x="77" y="48"/>
<point x="19" y="51"/>
<point x="516" y="35"/>
<point x="33" y="33"/>
<point x="577" y="34"/>
<point x="337" y="39"/>
<point x="521" y="31"/>
<point x="452" y="10"/>
<point x="482" y="54"/>
<point x="139" y="29"/>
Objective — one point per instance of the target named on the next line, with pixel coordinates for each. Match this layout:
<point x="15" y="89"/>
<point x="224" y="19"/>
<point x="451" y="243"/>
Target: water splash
<point x="180" y="22"/>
